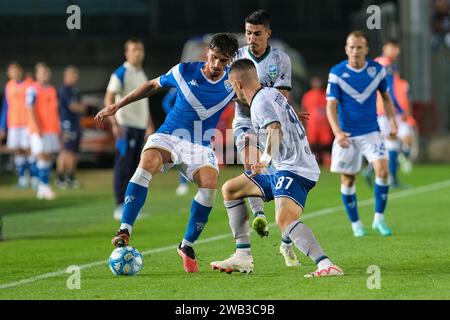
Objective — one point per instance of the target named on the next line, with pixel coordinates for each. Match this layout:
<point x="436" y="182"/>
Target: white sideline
<point x="314" y="214"/>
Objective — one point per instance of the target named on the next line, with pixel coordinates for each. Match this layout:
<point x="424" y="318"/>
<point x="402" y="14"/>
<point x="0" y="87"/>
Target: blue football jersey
<point x="356" y="93"/>
<point x="199" y="102"/>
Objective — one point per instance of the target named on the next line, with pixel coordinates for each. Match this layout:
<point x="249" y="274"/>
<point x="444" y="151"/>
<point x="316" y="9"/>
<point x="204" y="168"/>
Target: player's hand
<point x="394" y="129"/>
<point x="259" y="167"/>
<point x="2" y="135"/>
<point x="342" y="139"/>
<point x="303" y="115"/>
<point x="106" y="112"/>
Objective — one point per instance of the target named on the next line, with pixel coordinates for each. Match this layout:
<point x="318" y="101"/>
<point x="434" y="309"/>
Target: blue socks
<point x="381" y="193"/>
<point x="43" y="168"/>
<point x="393" y="165"/>
<point x="197" y="221"/>
<point x="350" y="203"/>
<point x="200" y="209"/>
<point x="135" y="196"/>
<point x="21" y="165"/>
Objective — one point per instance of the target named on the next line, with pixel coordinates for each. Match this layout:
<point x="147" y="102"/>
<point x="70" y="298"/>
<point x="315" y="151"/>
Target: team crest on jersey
<point x="371" y="71"/>
<point x="228" y="86"/>
<point x="273" y="70"/>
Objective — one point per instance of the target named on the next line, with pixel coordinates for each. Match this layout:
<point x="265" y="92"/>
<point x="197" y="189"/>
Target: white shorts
<point x="47" y="143"/>
<point x="349" y="160"/>
<point x="18" y="138"/>
<point x="404" y="129"/>
<point x="187" y="156"/>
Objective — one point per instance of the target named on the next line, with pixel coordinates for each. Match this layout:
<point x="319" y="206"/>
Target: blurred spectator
<point x="441" y="23"/>
<point x="318" y="130"/>
<point x="70" y="110"/>
<point x="131" y="124"/>
<point x="44" y="126"/>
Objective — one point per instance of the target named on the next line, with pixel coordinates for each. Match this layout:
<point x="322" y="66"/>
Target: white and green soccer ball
<point x="125" y="261"/>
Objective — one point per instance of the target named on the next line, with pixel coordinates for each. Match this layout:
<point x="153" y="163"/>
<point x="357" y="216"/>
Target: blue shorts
<point x="283" y="184"/>
<point x="71" y="140"/>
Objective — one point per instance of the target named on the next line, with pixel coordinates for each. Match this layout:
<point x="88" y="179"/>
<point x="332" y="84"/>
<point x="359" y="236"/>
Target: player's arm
<point x="273" y="142"/>
<point x="30" y="100"/>
<point x="332" y="115"/>
<point x="147" y="89"/>
<point x="390" y="113"/>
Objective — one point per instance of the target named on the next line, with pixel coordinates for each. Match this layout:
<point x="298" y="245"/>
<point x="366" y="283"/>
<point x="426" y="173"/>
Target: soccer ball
<point x="125" y="261"/>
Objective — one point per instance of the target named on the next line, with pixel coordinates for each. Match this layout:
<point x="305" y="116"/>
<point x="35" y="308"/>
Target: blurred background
<point x="312" y="32"/>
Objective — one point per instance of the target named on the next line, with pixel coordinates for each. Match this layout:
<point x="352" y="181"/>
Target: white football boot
<point x="44" y="192"/>
<point x="330" y="271"/>
<point x="182" y="189"/>
<point x="290" y="258"/>
<point x="236" y="263"/>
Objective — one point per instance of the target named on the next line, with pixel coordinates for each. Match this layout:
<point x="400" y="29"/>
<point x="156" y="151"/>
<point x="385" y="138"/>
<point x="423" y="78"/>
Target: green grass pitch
<point x="42" y="239"/>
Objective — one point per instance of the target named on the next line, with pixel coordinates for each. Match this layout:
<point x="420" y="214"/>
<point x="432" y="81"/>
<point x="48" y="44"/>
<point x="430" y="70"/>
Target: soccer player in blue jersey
<point x="293" y="174"/>
<point x="183" y="140"/>
<point x="351" y="110"/>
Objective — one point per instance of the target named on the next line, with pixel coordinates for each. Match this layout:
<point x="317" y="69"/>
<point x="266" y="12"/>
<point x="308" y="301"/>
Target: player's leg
<point x="152" y="160"/>
<point x="290" y="192"/>
<point x="381" y="191"/>
<point x="393" y="147"/>
<point x="20" y="162"/>
<point x="347" y="162"/>
<point x="246" y="143"/>
<point x="350" y="201"/>
<point x="206" y="178"/>
<point x="61" y="162"/>
<point x="234" y="192"/>
<point x="405" y="135"/>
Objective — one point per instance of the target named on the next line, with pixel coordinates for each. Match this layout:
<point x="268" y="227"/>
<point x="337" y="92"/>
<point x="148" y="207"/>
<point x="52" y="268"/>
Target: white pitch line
<point x="314" y="214"/>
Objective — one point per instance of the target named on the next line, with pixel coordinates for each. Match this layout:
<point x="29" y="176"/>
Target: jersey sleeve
<point x="30" y="97"/>
<point x="333" y="89"/>
<point x="284" y="81"/>
<point x="117" y="80"/>
<point x="264" y="113"/>
<point x="170" y="78"/>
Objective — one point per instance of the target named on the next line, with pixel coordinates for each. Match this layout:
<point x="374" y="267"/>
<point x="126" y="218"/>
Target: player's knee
<point x="382" y="172"/>
<point x="229" y="191"/>
<point x="151" y="160"/>
<point x="348" y="180"/>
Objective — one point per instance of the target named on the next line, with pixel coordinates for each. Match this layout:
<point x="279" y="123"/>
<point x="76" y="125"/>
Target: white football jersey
<point x="274" y="70"/>
<point x="269" y="106"/>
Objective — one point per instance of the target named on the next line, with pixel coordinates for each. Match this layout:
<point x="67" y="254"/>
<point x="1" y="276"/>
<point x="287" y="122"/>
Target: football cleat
<point x="259" y="224"/>
<point x="44" y="192"/>
<point x="290" y="258"/>
<point x="236" y="263"/>
<point x="359" y="232"/>
<point x="330" y="271"/>
<point x="382" y="228"/>
<point x="121" y="238"/>
<point x="189" y="260"/>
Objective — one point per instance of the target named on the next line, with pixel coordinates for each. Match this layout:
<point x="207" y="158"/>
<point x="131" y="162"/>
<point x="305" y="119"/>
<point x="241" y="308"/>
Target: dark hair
<point x="225" y="42"/>
<point x="393" y="42"/>
<point x="260" y="16"/>
<point x="130" y="41"/>
<point x="242" y="65"/>
<point x="358" y="34"/>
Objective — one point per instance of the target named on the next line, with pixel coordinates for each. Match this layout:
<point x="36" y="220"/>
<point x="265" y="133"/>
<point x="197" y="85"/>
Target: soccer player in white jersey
<point x="351" y="110"/>
<point x="293" y="174"/>
<point x="274" y="70"/>
<point x="183" y="140"/>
